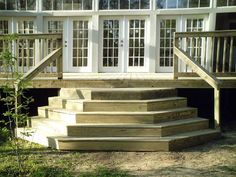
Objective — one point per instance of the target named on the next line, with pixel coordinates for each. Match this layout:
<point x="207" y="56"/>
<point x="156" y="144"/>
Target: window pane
<point x="145" y="4"/>
<point x="11" y="5"/>
<point x="31" y="4"/>
<point x="57" y="5"/>
<point x="87" y="4"/>
<point x="221" y="3"/>
<point x="2" y="5"/>
<point x="67" y="4"/>
<point x="204" y="3"/>
<point x="193" y="3"/>
<point x="77" y="4"/>
<point x="47" y="5"/>
<point x="134" y="4"/>
<point x="113" y="4"/>
<point x="161" y="4"/>
<point x="171" y="4"/>
<point x="103" y="4"/>
<point x="232" y="2"/>
<point x="182" y="3"/>
<point x="124" y="4"/>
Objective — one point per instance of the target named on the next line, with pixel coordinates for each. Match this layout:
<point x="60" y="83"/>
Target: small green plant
<point x="16" y="104"/>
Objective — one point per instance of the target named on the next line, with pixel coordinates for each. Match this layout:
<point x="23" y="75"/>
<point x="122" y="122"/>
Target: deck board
<point x="123" y="80"/>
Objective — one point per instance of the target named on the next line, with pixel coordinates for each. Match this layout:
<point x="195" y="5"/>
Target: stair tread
<point x="114" y="113"/>
<point x="167" y="138"/>
<point x="129" y="125"/>
<point x="127" y="101"/>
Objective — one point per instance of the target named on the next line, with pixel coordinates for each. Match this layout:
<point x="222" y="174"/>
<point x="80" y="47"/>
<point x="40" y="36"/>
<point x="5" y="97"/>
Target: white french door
<point x="123" y="46"/>
<point x="79" y="45"/>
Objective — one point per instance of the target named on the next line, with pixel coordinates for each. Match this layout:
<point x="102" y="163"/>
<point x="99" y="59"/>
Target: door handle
<point x="65" y="44"/>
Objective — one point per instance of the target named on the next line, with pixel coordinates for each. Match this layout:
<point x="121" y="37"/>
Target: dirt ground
<point x="216" y="158"/>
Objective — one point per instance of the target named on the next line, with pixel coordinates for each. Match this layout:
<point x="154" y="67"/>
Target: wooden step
<point x="170" y="143"/>
<point x="126" y="130"/>
<point x="117" y="93"/>
<point x="117" y="117"/>
<point x="118" y="105"/>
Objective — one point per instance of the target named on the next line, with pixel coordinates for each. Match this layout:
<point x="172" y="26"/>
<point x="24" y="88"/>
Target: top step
<point x="117" y="93"/>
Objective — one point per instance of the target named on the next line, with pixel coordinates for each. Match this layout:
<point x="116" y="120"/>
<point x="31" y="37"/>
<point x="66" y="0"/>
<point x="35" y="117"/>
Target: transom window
<point x="17" y="5"/>
<point x="168" y="4"/>
<point x="67" y="4"/>
<point x="226" y="3"/>
<point x="80" y="43"/>
<point x="123" y="4"/>
<point x="167" y="29"/>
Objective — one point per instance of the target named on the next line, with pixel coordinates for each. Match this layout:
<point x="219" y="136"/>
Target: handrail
<point x="55" y="55"/>
<point x="219" y="33"/>
<point x="202" y="72"/>
<point x="34" y="36"/>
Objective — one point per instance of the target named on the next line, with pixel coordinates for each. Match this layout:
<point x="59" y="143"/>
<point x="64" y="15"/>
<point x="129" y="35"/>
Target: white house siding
<point x="113" y="35"/>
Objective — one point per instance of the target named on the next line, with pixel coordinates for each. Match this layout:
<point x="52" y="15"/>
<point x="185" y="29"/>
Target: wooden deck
<point x="123" y="80"/>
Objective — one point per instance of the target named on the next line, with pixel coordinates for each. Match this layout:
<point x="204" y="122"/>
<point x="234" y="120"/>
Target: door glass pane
<point x="194" y="45"/>
<point x="167" y="27"/>
<point x="80" y="43"/>
<point x="136" y="42"/>
<point x="110" y="43"/>
<point x="25" y="50"/>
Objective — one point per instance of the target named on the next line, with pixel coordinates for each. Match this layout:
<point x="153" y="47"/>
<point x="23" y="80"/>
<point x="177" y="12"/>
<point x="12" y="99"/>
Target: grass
<point x="43" y="162"/>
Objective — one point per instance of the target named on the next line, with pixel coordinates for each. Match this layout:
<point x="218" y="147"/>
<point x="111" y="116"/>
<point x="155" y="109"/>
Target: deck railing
<point x="30" y="52"/>
<point x="208" y="55"/>
<point x="214" y="51"/>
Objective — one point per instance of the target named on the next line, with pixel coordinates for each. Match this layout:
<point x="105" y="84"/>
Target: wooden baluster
<point x="175" y="62"/>
<point x="22" y="56"/>
<point x="218" y="55"/>
<point x="231" y="53"/>
<point x="199" y="48"/>
<point x="212" y="54"/>
<point x="17" y="55"/>
<point x="204" y="41"/>
<point x="224" y="54"/>
<point x="28" y="54"/>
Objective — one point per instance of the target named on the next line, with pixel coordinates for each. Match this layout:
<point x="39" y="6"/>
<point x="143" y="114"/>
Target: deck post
<point x="175" y="68"/>
<point x="175" y="60"/>
<point x="59" y="67"/>
<point x="217" y="121"/>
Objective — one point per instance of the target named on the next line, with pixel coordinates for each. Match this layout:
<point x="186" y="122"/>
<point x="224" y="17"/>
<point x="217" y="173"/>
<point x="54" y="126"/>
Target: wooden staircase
<point x="122" y="119"/>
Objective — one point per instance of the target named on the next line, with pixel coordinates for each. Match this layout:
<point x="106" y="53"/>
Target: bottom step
<point x="170" y="143"/>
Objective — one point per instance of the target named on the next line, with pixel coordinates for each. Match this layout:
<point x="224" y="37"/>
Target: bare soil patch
<point x="217" y="158"/>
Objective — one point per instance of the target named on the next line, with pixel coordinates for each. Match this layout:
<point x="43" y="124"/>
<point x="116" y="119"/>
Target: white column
<point x="95" y="43"/>
<point x="152" y="43"/>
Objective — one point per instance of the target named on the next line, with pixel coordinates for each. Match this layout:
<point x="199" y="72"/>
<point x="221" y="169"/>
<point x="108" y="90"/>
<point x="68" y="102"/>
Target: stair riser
<point x="116" y="95"/>
<point x="82" y="131"/>
<point x="113" y="146"/>
<point x="193" y="141"/>
<point x="137" y="145"/>
<point x="125" y="106"/>
<point x="172" y="130"/>
<point x="68" y="118"/>
<point x="56" y="102"/>
<point x="127" y="95"/>
<point x="176" y="115"/>
<point x="75" y="93"/>
<point x="108" y="131"/>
